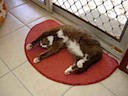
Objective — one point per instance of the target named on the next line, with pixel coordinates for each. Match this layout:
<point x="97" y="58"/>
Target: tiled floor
<point x="19" y="78"/>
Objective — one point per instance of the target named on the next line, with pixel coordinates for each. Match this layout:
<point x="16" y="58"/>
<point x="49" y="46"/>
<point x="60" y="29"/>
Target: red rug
<point x="53" y="67"/>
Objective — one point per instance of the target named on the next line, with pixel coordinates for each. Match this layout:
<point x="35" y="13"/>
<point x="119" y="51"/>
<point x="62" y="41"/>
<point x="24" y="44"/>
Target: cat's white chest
<point x="74" y="48"/>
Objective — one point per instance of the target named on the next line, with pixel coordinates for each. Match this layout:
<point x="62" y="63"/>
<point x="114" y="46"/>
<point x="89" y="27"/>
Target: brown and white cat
<point x="85" y="49"/>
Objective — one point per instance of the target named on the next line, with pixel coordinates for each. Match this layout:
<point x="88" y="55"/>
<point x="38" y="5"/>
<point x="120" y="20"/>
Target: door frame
<point x="46" y="4"/>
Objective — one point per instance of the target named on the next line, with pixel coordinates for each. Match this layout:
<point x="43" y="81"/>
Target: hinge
<point x="117" y="49"/>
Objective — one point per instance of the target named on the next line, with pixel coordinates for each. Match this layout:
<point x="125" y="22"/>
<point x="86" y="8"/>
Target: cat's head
<point x="47" y="41"/>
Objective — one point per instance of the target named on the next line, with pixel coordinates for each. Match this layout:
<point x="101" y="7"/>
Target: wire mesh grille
<point x="108" y="15"/>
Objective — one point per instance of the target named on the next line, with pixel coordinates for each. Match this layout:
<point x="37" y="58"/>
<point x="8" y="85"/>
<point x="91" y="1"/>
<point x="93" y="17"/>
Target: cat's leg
<point x="29" y="46"/>
<point x="82" y="61"/>
<point x="50" y="51"/>
<point x="44" y="34"/>
<point x="78" y="66"/>
<point x="45" y="54"/>
<point x="69" y="70"/>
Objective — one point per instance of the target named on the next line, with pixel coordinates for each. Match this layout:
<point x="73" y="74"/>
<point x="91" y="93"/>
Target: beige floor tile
<point x="10" y="24"/>
<point x="37" y="83"/>
<point x="13" y="3"/>
<point x="10" y="86"/>
<point x="12" y="47"/>
<point x="27" y="13"/>
<point x="117" y="83"/>
<point x="39" y="21"/>
<point x="89" y="90"/>
<point x="3" y="68"/>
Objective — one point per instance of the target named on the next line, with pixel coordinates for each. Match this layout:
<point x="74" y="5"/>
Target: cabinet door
<point x="124" y="63"/>
<point x="46" y="4"/>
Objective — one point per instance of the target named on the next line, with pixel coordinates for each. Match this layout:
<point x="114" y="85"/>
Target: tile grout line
<point x="6" y="66"/>
<point x="19" y="65"/>
<point x="108" y="89"/>
<point x="22" y="83"/>
<point x="24" y="25"/>
<point x="33" y="21"/>
<point x="16" y="6"/>
<point x="11" y="71"/>
<point x="27" y="25"/>
<point x="67" y="90"/>
<point x="20" y="20"/>
<point x="11" y="32"/>
<point x="5" y="74"/>
<point x="14" y="67"/>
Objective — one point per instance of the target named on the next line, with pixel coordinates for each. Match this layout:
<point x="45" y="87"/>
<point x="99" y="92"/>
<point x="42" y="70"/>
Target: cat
<point x="85" y="49"/>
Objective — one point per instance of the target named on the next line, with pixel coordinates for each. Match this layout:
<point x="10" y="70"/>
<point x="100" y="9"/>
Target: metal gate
<point x="110" y="16"/>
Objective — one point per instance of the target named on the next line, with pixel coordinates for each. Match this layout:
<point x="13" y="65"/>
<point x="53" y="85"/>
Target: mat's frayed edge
<point x="58" y="81"/>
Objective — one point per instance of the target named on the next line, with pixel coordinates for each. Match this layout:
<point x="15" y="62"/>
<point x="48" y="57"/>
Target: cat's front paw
<point x="36" y="60"/>
<point x="29" y="46"/>
<point x="68" y="71"/>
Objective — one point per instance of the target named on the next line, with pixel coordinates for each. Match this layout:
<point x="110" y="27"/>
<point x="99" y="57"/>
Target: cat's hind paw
<point x="29" y="46"/>
<point x="36" y="60"/>
<point x="68" y="71"/>
<point x="80" y="64"/>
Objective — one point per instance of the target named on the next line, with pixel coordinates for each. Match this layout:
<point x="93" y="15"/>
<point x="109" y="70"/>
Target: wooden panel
<point x="124" y="63"/>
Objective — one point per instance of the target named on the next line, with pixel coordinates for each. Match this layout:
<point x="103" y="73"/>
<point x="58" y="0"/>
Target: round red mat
<point x="53" y="67"/>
